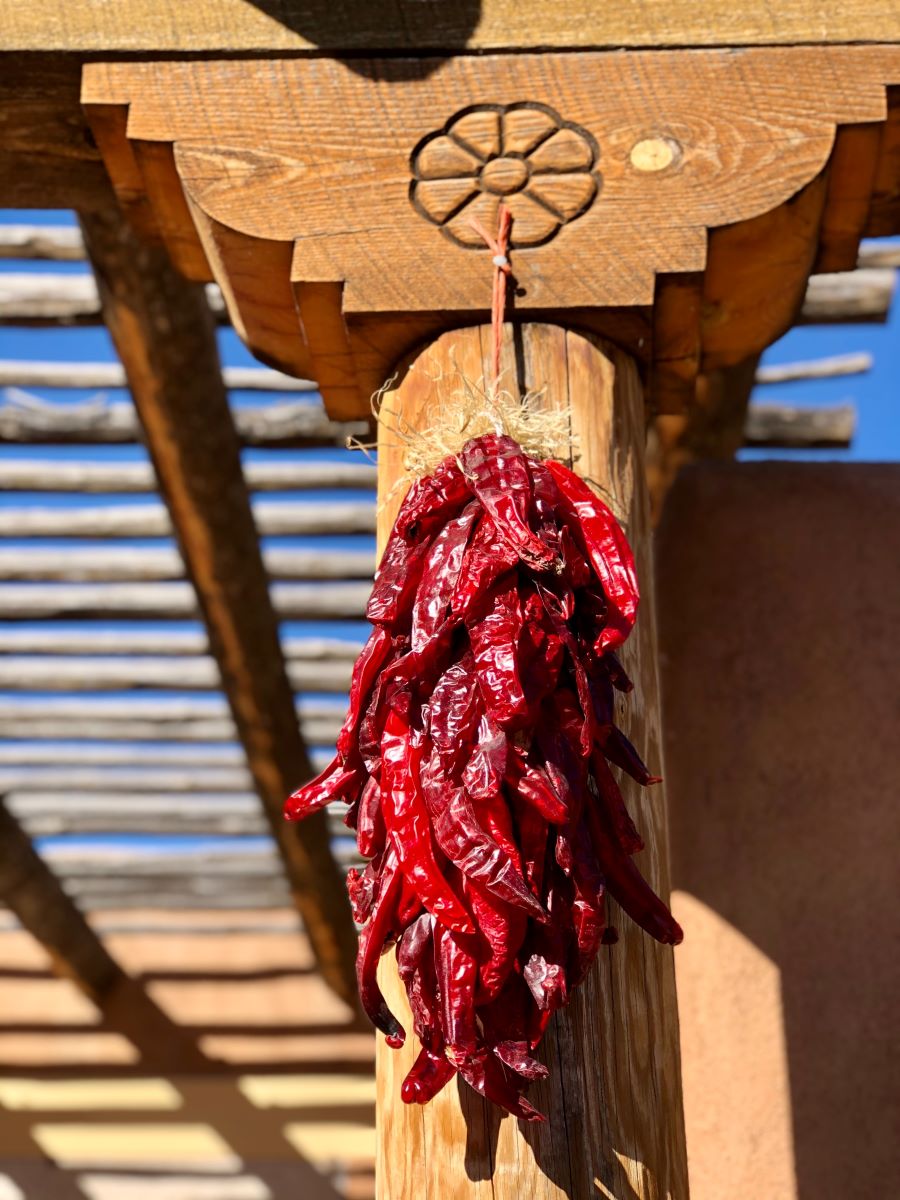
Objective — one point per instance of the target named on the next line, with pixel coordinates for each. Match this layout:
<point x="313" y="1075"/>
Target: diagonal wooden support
<point x="164" y="335"/>
<point x="32" y="891"/>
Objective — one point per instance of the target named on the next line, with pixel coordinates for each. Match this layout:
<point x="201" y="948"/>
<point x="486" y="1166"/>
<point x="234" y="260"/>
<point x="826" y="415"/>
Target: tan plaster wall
<point x="780" y="637"/>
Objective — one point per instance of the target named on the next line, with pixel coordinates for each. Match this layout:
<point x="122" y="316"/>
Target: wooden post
<point x="164" y="335"/>
<point x="613" y="1099"/>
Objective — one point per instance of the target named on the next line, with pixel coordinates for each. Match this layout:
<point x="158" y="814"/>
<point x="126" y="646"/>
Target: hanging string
<point x="499" y="247"/>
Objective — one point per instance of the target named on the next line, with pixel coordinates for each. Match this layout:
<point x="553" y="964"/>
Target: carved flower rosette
<point x="542" y="167"/>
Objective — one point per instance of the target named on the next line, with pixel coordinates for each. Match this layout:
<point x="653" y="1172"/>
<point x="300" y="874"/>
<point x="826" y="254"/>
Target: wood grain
<point x="317" y="161"/>
<point x="300" y="26"/>
<point x="613" y="1099"/>
<point x="174" y="601"/>
<point x="118" y="563"/>
<point x="274" y="518"/>
<point x="27" y="418"/>
<point x="51" y="475"/>
<point x="47" y="156"/>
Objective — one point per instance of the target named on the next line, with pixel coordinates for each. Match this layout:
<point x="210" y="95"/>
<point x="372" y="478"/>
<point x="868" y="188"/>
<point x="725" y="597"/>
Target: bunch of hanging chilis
<point x="475" y="760"/>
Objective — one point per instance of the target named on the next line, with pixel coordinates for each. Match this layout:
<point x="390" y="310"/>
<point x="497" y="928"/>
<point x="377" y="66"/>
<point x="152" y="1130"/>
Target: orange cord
<point x="499" y="246"/>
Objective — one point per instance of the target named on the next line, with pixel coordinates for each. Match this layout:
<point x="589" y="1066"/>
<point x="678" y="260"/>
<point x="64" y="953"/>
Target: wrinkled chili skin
<point x="497" y="473"/>
<point x="607" y="549"/>
<point x="479" y="761"/>
<point x="406" y="818"/>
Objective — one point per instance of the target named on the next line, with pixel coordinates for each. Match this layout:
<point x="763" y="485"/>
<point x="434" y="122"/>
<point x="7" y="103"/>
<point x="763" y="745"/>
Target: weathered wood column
<point x="613" y="1099"/>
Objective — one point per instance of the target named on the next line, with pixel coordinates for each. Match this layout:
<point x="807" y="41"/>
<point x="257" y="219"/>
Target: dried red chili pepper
<point x="475" y="758"/>
<point x="425" y="1078"/>
<point x="497" y="472"/>
<point x="607" y="548"/>
<point x="409" y="828"/>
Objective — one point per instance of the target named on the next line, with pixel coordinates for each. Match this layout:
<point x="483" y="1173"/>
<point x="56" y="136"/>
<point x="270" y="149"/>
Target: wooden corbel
<point x="673" y="202"/>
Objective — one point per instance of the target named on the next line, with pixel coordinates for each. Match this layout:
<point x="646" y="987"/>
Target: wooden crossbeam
<point x="274" y="518"/>
<point x="27" y="418"/>
<point x="858" y="297"/>
<point x="832" y="367"/>
<point x="71" y="299"/>
<point x="65" y="243"/>
<point x="210" y="730"/>
<point x="25" y="374"/>
<point x="170" y="601"/>
<point x="128" y="564"/>
<point x="167" y="709"/>
<point x="139" y="639"/>
<point x="214" y="814"/>
<point x="785" y="426"/>
<point x="164" y="335"/>
<point x="57" y="243"/>
<point x="55" y="475"/>
<point x="124" y="779"/>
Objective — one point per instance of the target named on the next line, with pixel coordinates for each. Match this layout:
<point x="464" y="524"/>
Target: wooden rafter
<point x="164" y="335"/>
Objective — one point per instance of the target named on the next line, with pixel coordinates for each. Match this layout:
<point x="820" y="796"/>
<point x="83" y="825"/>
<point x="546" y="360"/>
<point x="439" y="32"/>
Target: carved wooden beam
<point x="675" y="202"/>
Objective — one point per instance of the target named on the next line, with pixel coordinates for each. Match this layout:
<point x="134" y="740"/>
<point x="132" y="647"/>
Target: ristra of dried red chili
<point x="475" y="761"/>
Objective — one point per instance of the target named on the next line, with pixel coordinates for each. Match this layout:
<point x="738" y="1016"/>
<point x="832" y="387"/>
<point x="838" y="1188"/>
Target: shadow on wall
<point x="780" y="642"/>
<point x="361" y="26"/>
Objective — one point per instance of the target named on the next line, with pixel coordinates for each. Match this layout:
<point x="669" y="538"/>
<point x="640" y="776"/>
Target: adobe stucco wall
<point x="779" y="589"/>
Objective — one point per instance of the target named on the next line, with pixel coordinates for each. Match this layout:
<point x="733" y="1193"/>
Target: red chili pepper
<point x="370" y="830"/>
<point x="454" y="713"/>
<point x="540" y="651"/>
<point x="486" y="560"/>
<point x="372" y="938"/>
<point x="431" y="502"/>
<point x="336" y="782"/>
<point x="620" y="751"/>
<point x="611" y="797"/>
<point x="533" y="785"/>
<point x="497" y="472"/>
<point x="406" y="818"/>
<point x="415" y="965"/>
<point x="361" y="887"/>
<point x="457" y="976"/>
<point x="505" y="1023"/>
<point x="425" y="1078"/>
<point x="460" y="836"/>
<point x="440" y="576"/>
<point x="616" y="673"/>
<point x="475" y="763"/>
<point x="607" y="548"/>
<point x="588" y="905"/>
<point x="626" y="884"/>
<point x="486" y="1074"/>
<point x="494" y="638"/>
<point x="366" y="670"/>
<point x="501" y="931"/>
